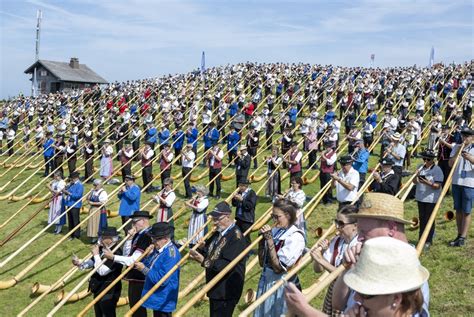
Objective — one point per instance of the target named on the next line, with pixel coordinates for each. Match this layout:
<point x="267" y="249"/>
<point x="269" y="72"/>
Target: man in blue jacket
<point x="211" y="137"/>
<point x="164" y="257"/>
<point x="73" y="202"/>
<point x="151" y="134"/>
<point x="191" y="136"/>
<point x="48" y="153"/>
<point x="233" y="139"/>
<point x="163" y="136"/>
<point x="129" y="196"/>
<point x="361" y="160"/>
<point x="178" y="141"/>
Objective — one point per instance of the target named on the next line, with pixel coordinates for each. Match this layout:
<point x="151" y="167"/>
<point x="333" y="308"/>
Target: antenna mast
<point x="34" y="84"/>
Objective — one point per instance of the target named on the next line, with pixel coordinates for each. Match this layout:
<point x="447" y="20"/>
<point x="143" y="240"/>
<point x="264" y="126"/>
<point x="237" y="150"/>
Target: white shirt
<point x="293" y="246"/>
<point x="463" y="165"/>
<point x="220" y="156"/>
<point x="188" y="162"/>
<point x="344" y="195"/>
<point x="103" y="196"/>
<point x="169" y="200"/>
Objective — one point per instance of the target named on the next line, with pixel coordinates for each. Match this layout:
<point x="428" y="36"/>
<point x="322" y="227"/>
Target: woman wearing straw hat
<point x="382" y="288"/>
<point x="198" y="205"/>
<point x="55" y="206"/>
<point x="330" y="254"/>
<point x="97" y="198"/>
<point x="280" y="249"/>
<point x="105" y="274"/>
<point x="106" y="167"/>
<point x="428" y="182"/>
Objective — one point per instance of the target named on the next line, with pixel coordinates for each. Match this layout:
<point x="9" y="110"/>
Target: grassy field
<point x="451" y="281"/>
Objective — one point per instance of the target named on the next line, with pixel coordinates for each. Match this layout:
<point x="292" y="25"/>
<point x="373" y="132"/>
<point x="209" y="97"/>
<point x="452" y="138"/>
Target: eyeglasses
<point x="136" y="220"/>
<point x="366" y="297"/>
<point x="217" y="218"/>
<point x="341" y="224"/>
<point x="276" y="217"/>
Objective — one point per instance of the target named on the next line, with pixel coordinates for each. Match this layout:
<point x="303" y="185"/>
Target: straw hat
<point x="396" y="136"/>
<point x="386" y="266"/>
<point x="381" y="206"/>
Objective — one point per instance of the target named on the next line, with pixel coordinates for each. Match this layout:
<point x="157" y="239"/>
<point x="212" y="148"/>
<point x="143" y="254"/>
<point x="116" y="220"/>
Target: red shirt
<point x="249" y="109"/>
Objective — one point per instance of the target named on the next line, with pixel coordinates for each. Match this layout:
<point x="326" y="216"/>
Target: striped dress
<point x="198" y="218"/>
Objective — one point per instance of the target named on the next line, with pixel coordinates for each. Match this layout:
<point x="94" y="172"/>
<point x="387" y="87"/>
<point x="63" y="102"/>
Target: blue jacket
<point x="178" y="140"/>
<point x="233" y="109"/>
<point x="165" y="297"/>
<point x="164" y="136"/>
<point x="233" y="141"/>
<point x="48" y="149"/>
<point x="372" y="119"/>
<point x="192" y="137"/>
<point x="293" y="112"/>
<point x="361" y="161"/>
<point x="129" y="201"/>
<point x="74" y="199"/>
<point x="329" y="117"/>
<point x="151" y="135"/>
<point x="211" y="138"/>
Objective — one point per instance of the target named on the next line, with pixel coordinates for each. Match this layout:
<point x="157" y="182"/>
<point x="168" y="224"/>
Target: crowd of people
<point x="287" y="118"/>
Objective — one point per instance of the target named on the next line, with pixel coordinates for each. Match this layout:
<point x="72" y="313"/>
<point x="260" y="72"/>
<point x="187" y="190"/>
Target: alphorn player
<point x="105" y="274"/>
<point x="198" y="205"/>
<point x="163" y="258"/>
<point x="385" y="181"/>
<point x="278" y="251"/>
<point x="380" y="215"/>
<point x="215" y="254"/>
<point x="132" y="249"/>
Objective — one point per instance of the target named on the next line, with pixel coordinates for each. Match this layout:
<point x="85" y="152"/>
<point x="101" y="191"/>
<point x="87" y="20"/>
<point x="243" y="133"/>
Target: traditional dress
<point x="289" y="245"/>
<point x="164" y="211"/>
<point x="55" y="206"/>
<point x="99" y="220"/>
<point x="198" y="218"/>
<point x="106" y="167"/>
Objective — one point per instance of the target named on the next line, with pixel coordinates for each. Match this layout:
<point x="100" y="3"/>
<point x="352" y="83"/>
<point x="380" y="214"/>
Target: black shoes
<point x="458" y="242"/>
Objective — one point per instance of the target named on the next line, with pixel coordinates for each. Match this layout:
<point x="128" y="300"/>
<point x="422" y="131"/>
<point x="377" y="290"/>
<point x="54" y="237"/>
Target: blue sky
<point x="123" y="40"/>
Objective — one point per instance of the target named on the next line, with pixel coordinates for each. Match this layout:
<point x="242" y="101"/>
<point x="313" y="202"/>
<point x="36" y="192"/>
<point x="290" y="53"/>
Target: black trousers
<point x="424" y="213"/>
<point x="213" y="172"/>
<point x="157" y="313"/>
<point x="232" y="155"/>
<point x="244" y="226"/>
<point x="49" y="165"/>
<point x="126" y="170"/>
<point x="71" y="165"/>
<point x="253" y="155"/>
<point x="106" y="306"/>
<point x="10" y="147"/>
<point x="134" y="295"/>
<point x="73" y="220"/>
<point x="89" y="168"/>
<point x="164" y="175"/>
<point x="222" y="308"/>
<point x="127" y="227"/>
<point x="187" y="186"/>
<point x="325" y="178"/>
<point x="398" y="170"/>
<point x="147" y="175"/>
<point x="312" y="159"/>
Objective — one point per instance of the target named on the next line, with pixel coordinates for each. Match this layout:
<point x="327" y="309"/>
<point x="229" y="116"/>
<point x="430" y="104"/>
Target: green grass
<point x="451" y="281"/>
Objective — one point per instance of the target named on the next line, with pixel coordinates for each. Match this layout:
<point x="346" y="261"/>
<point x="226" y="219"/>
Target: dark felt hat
<point x="160" y="230"/>
<point x="141" y="214"/>
<point x="108" y="232"/>
<point x="221" y="209"/>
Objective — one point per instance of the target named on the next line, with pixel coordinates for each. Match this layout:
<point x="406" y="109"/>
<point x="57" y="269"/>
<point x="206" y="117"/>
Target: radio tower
<point x="34" y="84"/>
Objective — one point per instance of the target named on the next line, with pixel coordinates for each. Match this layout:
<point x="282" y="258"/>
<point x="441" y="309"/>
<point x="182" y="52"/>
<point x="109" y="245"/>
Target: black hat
<point x="149" y="143"/>
<point x="74" y="175"/>
<point x="244" y="182"/>
<point x="160" y="230"/>
<point x="328" y="142"/>
<point x="386" y="161"/>
<point x="130" y="177"/>
<point x="141" y="214"/>
<point x="427" y="154"/>
<point x="221" y="209"/>
<point x="467" y="131"/>
<point x="346" y="159"/>
<point x="109" y="232"/>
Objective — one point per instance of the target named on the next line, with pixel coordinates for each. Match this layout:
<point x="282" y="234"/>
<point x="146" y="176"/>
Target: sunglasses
<point x="366" y="297"/>
<point x="341" y="224"/>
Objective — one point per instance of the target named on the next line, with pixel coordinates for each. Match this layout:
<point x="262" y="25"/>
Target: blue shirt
<point x="372" y="119"/>
<point x="178" y="140"/>
<point x="211" y="138"/>
<point x="293" y="113"/>
<point x="192" y="136"/>
<point x="48" y="150"/>
<point x="232" y="141"/>
<point x="361" y="161"/>
<point x="164" y="136"/>
<point x="129" y="200"/>
<point x="151" y="135"/>
<point x="329" y="117"/>
<point x="233" y="109"/>
<point x="74" y="199"/>
<point x="165" y="298"/>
